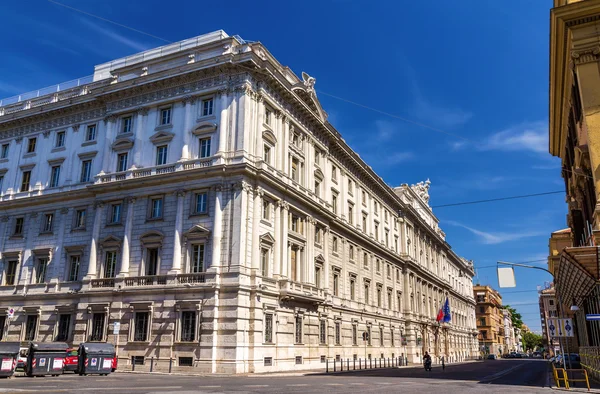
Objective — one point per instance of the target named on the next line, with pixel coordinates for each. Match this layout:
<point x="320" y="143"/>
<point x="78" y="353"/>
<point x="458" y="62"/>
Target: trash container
<point x="9" y="353"/>
<point x="95" y="358"/>
<point x="46" y="358"/>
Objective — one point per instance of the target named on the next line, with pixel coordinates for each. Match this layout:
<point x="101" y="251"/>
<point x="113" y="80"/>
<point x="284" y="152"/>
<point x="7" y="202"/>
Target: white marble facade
<point x="198" y="196"/>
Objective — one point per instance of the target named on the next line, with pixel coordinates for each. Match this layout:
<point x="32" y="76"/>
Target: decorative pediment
<point x="87" y="155"/>
<point x="111" y="242"/>
<point x="41" y="253"/>
<point x="267" y="238"/>
<point x="122" y="144"/>
<point x="306" y="92"/>
<point x="205" y="127"/>
<point x="152" y="238"/>
<point x="197" y="232"/>
<point x="319" y="174"/>
<point x="56" y="162"/>
<point x="162" y="137"/>
<point x="269" y="136"/>
<point x="320" y="258"/>
<point x="3" y="171"/>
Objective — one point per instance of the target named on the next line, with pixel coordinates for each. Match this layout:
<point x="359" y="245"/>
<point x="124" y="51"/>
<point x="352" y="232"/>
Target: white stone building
<point x="196" y="194"/>
<point x="509" y="332"/>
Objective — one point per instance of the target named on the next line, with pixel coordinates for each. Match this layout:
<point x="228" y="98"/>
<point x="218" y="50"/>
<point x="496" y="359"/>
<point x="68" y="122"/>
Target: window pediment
<point x="27" y="167"/>
<point x="320" y="258"/>
<point x="205" y="127"/>
<point x="197" y="232"/>
<point x="56" y="162"/>
<point x="269" y="136"/>
<point x="319" y="174"/>
<point x="88" y="155"/>
<point x="111" y="242"/>
<point x="122" y="144"/>
<point x="152" y="238"/>
<point x="162" y="137"/>
<point x="3" y="171"/>
<point x="45" y="252"/>
<point x="16" y="255"/>
<point x="75" y="249"/>
<point x="267" y="239"/>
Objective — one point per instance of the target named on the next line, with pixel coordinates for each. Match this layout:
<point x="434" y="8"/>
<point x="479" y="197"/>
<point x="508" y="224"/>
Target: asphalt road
<point x="499" y="376"/>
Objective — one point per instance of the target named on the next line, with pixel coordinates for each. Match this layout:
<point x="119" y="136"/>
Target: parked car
<point x="492" y="357"/>
<point x="537" y="355"/>
<point x="572" y="361"/>
<point x="518" y="355"/>
<point x="22" y="359"/>
<point x="71" y="360"/>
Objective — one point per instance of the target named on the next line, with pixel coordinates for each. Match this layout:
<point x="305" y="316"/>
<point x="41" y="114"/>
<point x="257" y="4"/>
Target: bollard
<point x="341" y="364"/>
<point x="347" y="364"/>
<point x="133" y="364"/>
<point x="360" y="363"/>
<point x="389" y="365"/>
<point x="151" y="363"/>
<point x="170" y="364"/>
<point x="326" y="365"/>
<point x="354" y="364"/>
<point x="334" y="365"/>
<point x="370" y="363"/>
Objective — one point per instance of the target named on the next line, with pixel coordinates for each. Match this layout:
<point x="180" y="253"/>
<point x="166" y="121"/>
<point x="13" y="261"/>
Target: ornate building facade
<point x="192" y="203"/>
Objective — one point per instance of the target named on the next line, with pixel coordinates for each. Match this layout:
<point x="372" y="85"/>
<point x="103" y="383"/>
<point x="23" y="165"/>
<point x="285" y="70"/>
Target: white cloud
<point x="398" y="157"/>
<point x="527" y="136"/>
<point x="489" y="238"/>
<point x="445" y="117"/>
<point x="136" y="45"/>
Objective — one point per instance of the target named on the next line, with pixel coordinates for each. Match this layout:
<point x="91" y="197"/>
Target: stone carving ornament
<point x="422" y="190"/>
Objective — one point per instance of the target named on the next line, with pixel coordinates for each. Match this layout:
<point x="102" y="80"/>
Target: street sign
<point x="365" y="336"/>
<point x="592" y="317"/>
<point x="560" y="328"/>
<point x="116" y="327"/>
<point x="506" y="277"/>
<point x="11" y="313"/>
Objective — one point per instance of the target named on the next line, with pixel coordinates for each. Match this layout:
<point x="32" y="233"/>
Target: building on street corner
<point x="490" y="320"/>
<point x="196" y="195"/>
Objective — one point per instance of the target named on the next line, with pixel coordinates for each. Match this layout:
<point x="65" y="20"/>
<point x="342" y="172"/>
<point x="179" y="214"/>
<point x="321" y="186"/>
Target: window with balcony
<point x="152" y="261"/>
<point x="197" y="258"/>
<point x="205" y="147"/>
<point x="161" y="155"/>
<point x="110" y="264"/>
<point x="122" y="162"/>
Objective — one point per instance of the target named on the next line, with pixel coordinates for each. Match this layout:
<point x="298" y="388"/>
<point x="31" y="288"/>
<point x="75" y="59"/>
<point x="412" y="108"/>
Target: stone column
<point x="92" y="271"/>
<point x="110" y="123"/>
<point x="138" y="146"/>
<point x="124" y="271"/>
<point x="188" y="103"/>
<point x="278" y="242"/>
<point x="223" y="123"/>
<point x="217" y="230"/>
<point x="285" y="210"/>
<point x="176" y="263"/>
<point x="256" y="215"/>
<point x="285" y="138"/>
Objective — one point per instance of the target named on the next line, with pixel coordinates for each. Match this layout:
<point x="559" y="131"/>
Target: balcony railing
<point x="157" y="170"/>
<point x="103" y="283"/>
<point x="300" y="291"/>
<point x="150" y="280"/>
<point x="191" y="278"/>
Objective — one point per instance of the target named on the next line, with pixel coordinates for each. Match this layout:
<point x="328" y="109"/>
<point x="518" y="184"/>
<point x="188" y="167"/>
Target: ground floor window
<point x="64" y="323"/>
<point x="298" y="329"/>
<point x="98" y="322"/>
<point x="31" y="327"/>
<point x="269" y="328"/>
<point x="141" y="326"/>
<point x="188" y="326"/>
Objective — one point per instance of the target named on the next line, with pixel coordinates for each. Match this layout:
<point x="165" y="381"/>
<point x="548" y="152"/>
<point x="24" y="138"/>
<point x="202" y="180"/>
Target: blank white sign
<point x="506" y="277"/>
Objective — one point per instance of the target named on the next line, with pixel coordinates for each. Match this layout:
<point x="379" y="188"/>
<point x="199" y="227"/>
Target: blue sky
<point x="477" y="69"/>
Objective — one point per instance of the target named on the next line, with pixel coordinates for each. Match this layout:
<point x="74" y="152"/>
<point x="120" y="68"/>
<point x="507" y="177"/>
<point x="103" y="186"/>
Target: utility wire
<point x="108" y="20"/>
<point x="498" y="199"/>
<point x="520" y="262"/>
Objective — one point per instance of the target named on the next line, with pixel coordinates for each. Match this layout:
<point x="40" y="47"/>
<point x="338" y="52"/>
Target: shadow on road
<point x="532" y="373"/>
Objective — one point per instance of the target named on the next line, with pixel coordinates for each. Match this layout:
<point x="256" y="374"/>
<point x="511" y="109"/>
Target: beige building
<point x="490" y="320"/>
<point x="549" y="309"/>
<point x="193" y="203"/>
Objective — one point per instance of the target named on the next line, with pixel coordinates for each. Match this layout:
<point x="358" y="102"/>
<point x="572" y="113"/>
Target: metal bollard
<point x="341" y="364"/>
<point x="360" y="363"/>
<point x="151" y="363"/>
<point x="133" y="364"/>
<point x="326" y="365"/>
<point x="170" y="364"/>
<point x="347" y="364"/>
<point x="334" y="365"/>
<point x="370" y="363"/>
<point x="354" y="364"/>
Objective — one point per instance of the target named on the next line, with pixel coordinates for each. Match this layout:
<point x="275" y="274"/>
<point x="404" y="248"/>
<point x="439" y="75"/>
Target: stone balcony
<point x="136" y="173"/>
<point x="303" y="292"/>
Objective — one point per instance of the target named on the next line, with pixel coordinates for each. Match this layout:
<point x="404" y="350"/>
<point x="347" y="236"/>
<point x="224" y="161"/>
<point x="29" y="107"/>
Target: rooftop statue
<point x="422" y="190"/>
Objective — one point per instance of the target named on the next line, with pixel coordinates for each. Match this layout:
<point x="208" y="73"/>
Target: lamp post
<point x="557" y="296"/>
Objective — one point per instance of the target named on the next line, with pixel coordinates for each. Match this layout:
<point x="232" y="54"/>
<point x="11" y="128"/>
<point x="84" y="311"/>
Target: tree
<point x="517" y="319"/>
<point x="531" y="341"/>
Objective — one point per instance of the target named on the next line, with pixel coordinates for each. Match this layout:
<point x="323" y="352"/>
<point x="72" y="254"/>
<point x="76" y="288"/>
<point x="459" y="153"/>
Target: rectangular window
<point x="25" y="181"/>
<point x="197" y="258"/>
<point x="317" y="188"/>
<point x="54" y="176"/>
<point x="74" y="264"/>
<point x="379" y="296"/>
<point x="387" y="239"/>
<point x="188" y="326"/>
<point x="352" y="288"/>
<point x="141" y="326"/>
<point x="161" y="155"/>
<point x="266" y="209"/>
<point x="269" y="328"/>
<point x="110" y="264"/>
<point x="350" y="187"/>
<point x="40" y="270"/>
<point x="396" y="244"/>
<point x="31" y="327"/>
<point x="86" y="171"/>
<point x="367" y="293"/>
<point x="376" y="231"/>
<point x="364" y="222"/>
<point x="2" y="324"/>
<point x="267" y="154"/>
<point x="318" y="276"/>
<point x="205" y="147"/>
<point x="295" y="170"/>
<point x="267" y="119"/>
<point x="350" y="213"/>
<point x="351" y="252"/>
<point x="482" y="321"/>
<point x="207" y="107"/>
<point x="122" y="162"/>
<point x="165" y="116"/>
<point x="4" y="152"/>
<point x="317" y="157"/>
<point x="31" y="142"/>
<point x="334" y="173"/>
<point x="322" y="331"/>
<point x="186" y="361"/>
<point x="378" y="265"/>
<point x="1" y="182"/>
<point x="80" y="216"/>
<point x="48" y="223"/>
<point x="295" y="224"/>
<point x="334" y="202"/>
<point x="152" y="261"/>
<point x="264" y="262"/>
<point x="389" y="299"/>
<point x="115" y="213"/>
<point x="381" y="336"/>
<point x="19" y="222"/>
<point x="366" y="260"/>
<point x="298" y="329"/>
<point x="364" y="197"/>
<point x="338" y="333"/>
<point x="11" y="272"/>
<point x="389" y="271"/>
<point x="336" y="284"/>
<point x="127" y="122"/>
<point x="97" y="333"/>
<point x="156" y="208"/>
<point x="201" y="202"/>
<point x="90" y="134"/>
<point x="318" y="234"/>
<point x="354" y="335"/>
<point x="369" y="337"/>
<point x="60" y="139"/>
<point x="334" y="244"/>
<point x="64" y="324"/>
